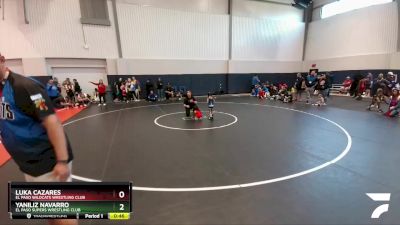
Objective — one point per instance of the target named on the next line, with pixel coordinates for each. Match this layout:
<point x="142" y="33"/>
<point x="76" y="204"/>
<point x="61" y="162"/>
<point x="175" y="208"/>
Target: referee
<point x="31" y="132"/>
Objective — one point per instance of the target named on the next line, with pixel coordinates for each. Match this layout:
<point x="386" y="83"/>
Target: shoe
<point x="104" y="104"/>
<point x="99" y="105"/>
<point x="369" y="108"/>
<point x="380" y="110"/>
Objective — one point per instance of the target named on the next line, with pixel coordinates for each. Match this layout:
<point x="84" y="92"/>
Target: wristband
<point x="63" y="161"/>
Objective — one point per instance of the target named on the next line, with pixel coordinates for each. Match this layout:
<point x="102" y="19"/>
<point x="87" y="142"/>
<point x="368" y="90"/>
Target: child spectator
<point x="377" y="99"/>
<point x="261" y="93"/>
<point x="152" y="97"/>
<point x="320" y="101"/>
<point x="169" y="92"/>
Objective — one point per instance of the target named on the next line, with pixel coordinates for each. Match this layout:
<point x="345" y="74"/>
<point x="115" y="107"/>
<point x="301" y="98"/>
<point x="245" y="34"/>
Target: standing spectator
<point x="32" y="133"/>
<point x="380" y="82"/>
<point x="52" y="90"/>
<point x="300" y="86"/>
<point x="101" y="88"/>
<point x="69" y="90"/>
<point x="355" y="84"/>
<point x="369" y="83"/>
<point x="160" y="88"/>
<point x="311" y="81"/>
<point x="149" y="87"/>
<point x="137" y="88"/>
<point x="323" y="88"/>
<point x="255" y="81"/>
<point x="77" y="87"/>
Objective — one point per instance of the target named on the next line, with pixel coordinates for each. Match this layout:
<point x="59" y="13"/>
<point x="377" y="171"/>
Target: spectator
<point x="311" y="82"/>
<point x="355" y="84"/>
<point x="101" y="88"/>
<point x="346" y="86"/>
<point x="52" y="90"/>
<point x="160" y="88"/>
<point x="382" y="83"/>
<point x="152" y="97"/>
<point x="169" y="91"/>
<point x="368" y="84"/>
<point x="77" y="87"/>
<point x="323" y="87"/>
<point x="137" y="89"/>
<point x="149" y="87"/>
<point x="255" y="81"/>
<point x="377" y="99"/>
<point x="394" y="104"/>
<point x="300" y="87"/>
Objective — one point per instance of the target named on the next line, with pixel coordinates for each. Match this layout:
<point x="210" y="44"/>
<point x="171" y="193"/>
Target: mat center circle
<point x="178" y="121"/>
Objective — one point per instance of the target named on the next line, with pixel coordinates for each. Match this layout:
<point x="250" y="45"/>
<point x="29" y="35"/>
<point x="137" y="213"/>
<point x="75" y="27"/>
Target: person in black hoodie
<point x="354" y="86"/>
<point x="160" y="89"/>
<point x="323" y="87"/>
<point x="78" y="89"/>
<point x="149" y="87"/>
<point x="300" y="86"/>
<point x="190" y="103"/>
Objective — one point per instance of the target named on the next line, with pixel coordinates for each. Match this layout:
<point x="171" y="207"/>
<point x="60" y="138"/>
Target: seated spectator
<point x="394" y="98"/>
<point x="82" y="100"/>
<point x="320" y="100"/>
<point x="261" y="93"/>
<point x="361" y="88"/>
<point x="152" y="97"/>
<point x="377" y="100"/>
<point x="393" y="111"/>
<point x="346" y="86"/>
<point x="273" y="91"/>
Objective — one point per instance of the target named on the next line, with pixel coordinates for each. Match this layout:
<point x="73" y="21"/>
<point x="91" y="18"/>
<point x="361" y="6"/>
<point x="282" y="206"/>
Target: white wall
<point x="155" y="33"/>
<point x="266" y="38"/>
<point x="200" y="6"/>
<point x="165" y="66"/>
<point x="54" y="30"/>
<point x="360" y="38"/>
<point x="263" y="10"/>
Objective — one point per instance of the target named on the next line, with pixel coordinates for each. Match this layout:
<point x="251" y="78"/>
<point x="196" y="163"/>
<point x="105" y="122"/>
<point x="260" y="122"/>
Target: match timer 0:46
<point x="76" y="200"/>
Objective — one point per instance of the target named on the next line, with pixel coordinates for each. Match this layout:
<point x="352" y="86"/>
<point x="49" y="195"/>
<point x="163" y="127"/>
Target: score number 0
<point x="121" y="194"/>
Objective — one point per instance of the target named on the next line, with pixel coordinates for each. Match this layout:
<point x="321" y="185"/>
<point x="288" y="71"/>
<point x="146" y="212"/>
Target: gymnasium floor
<point x="258" y="162"/>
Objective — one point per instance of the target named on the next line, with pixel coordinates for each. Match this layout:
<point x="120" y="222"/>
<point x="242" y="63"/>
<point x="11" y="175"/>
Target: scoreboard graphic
<point x="105" y="200"/>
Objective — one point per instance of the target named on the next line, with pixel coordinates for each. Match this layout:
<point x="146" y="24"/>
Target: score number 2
<point x="121" y="194"/>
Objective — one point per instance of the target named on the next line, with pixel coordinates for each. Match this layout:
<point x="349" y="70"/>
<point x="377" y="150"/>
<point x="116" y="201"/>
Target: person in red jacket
<point x="101" y="87"/>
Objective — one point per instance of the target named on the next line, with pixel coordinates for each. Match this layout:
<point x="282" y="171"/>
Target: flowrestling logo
<point x="380" y="197"/>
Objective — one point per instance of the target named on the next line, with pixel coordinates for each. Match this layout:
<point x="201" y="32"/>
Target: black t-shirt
<point x="22" y="132"/>
<point x="187" y="101"/>
<point x="160" y="85"/>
